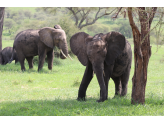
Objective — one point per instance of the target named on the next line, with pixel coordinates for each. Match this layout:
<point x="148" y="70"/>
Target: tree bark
<point x="142" y="52"/>
<point x="2" y="11"/>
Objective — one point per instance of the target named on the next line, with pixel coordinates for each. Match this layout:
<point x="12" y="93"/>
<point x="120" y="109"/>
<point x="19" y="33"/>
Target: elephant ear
<point x="115" y="46"/>
<point x="78" y="46"/>
<point x="45" y="35"/>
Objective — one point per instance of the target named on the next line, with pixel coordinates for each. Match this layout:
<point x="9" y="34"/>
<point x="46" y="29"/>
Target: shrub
<point x="97" y="28"/>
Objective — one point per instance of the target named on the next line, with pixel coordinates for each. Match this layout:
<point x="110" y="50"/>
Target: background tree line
<point x="90" y="20"/>
<point x="17" y="20"/>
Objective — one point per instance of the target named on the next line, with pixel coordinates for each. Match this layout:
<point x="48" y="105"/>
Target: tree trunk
<point x="2" y="11"/>
<point x="142" y="53"/>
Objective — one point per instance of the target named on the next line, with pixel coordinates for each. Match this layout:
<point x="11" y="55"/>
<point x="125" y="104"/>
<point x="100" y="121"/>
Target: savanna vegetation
<point x="54" y="92"/>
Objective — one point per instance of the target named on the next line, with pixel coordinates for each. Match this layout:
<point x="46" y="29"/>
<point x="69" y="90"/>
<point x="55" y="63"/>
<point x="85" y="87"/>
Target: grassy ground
<point x="54" y="93"/>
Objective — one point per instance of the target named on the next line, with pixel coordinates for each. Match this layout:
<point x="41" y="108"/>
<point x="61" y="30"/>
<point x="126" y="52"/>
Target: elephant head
<point x="98" y="49"/>
<point x="54" y="37"/>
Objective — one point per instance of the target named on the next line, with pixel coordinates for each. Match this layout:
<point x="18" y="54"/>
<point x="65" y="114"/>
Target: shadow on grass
<point x="58" y="107"/>
<point x="72" y="107"/>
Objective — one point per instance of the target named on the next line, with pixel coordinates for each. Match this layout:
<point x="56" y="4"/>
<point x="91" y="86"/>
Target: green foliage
<point x="97" y="28"/>
<point x="9" y="24"/>
<point x="28" y="13"/>
<point x="125" y="28"/>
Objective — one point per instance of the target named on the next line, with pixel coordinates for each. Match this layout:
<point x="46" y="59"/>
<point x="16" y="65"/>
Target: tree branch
<point x="131" y="21"/>
<point x="75" y="14"/>
<point x="96" y="18"/>
<point x="83" y="17"/>
<point x="154" y="9"/>
<point x="117" y="13"/>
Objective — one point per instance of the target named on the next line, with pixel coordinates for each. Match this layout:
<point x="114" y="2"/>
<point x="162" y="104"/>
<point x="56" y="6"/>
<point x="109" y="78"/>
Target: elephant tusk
<point x="63" y="53"/>
<point x="70" y="57"/>
<point x="104" y="73"/>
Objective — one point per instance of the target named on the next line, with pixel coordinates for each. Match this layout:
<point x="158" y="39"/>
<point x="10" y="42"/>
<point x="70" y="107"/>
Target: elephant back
<point x="27" y="35"/>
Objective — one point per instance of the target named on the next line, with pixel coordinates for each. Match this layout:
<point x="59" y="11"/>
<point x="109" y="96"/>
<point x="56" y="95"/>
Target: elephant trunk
<point x="63" y="50"/>
<point x="98" y="69"/>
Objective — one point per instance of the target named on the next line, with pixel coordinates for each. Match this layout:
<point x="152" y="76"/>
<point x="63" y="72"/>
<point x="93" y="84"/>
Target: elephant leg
<point x="5" y="63"/>
<point x="21" y="60"/>
<point x="2" y="60"/>
<point x="50" y="57"/>
<point x="124" y="80"/>
<point x="106" y="75"/>
<point x="30" y="61"/>
<point x="117" y="81"/>
<point x="16" y="60"/>
<point x="87" y="77"/>
<point x="103" y="92"/>
<point x="42" y="55"/>
<point x="5" y="60"/>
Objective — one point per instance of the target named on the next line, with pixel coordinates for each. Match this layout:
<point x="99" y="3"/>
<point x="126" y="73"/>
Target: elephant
<point x="108" y="56"/>
<point x="29" y="43"/>
<point x="6" y="54"/>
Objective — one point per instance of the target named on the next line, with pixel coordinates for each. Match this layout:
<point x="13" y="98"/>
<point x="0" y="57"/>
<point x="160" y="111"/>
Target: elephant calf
<point x="6" y="54"/>
<point x="108" y="56"/>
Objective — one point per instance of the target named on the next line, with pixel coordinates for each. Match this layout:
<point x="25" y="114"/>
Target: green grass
<point x="54" y="93"/>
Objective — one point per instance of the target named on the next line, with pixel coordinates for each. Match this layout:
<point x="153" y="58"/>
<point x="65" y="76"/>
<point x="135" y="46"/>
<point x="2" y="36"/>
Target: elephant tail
<point x="12" y="56"/>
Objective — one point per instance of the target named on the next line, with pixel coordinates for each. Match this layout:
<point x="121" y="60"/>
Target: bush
<point x="96" y="28"/>
<point x="125" y="28"/>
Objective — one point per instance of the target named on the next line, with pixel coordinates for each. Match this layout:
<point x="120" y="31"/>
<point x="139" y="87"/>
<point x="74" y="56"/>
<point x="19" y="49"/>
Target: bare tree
<point x="2" y="11"/>
<point x="85" y="16"/>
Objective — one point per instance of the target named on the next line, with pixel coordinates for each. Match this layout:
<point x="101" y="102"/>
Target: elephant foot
<point x="23" y="70"/>
<point x="80" y="99"/>
<point x="50" y="68"/>
<point x="118" y="96"/>
<point x="101" y="100"/>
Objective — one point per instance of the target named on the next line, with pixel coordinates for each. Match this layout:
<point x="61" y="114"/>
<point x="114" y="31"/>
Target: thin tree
<point x="2" y="11"/>
<point x="142" y="48"/>
<point x="142" y="51"/>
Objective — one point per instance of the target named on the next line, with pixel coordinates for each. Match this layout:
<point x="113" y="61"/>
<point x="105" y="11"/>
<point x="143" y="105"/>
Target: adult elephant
<point x="6" y="54"/>
<point x="108" y="56"/>
<point x="29" y="43"/>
